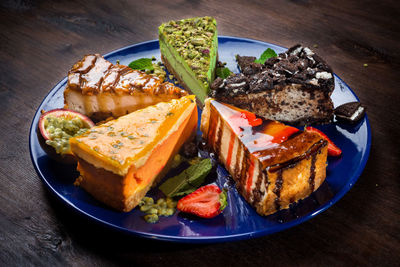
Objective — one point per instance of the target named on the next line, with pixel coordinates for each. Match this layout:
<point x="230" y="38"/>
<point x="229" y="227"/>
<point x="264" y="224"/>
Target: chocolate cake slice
<point x="294" y="87"/>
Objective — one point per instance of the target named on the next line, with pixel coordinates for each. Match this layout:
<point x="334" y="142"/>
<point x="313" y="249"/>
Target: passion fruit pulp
<point x="55" y="127"/>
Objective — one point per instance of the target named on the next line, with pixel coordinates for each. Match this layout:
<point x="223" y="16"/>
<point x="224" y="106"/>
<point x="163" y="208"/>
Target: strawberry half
<point x="333" y="150"/>
<point x="207" y="202"/>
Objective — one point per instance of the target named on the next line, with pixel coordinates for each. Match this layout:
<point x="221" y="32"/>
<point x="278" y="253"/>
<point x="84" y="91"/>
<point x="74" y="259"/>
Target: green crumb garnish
<point x="151" y="218"/>
<point x="159" y="71"/>
<point x="365" y="65"/>
<point x="194" y="160"/>
<point x="176" y="161"/>
<point x="154" y="210"/>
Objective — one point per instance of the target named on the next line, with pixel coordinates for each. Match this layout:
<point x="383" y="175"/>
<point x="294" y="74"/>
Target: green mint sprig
<point x="266" y="55"/>
<point x="143" y="64"/>
<point x="187" y="181"/>
<point x="223" y="73"/>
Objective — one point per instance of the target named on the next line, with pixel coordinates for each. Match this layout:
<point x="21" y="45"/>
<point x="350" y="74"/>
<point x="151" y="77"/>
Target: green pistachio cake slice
<point x="189" y="51"/>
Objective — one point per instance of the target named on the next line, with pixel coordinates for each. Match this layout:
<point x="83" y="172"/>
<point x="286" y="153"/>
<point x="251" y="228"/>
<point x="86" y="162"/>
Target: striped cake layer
<point x="272" y="164"/>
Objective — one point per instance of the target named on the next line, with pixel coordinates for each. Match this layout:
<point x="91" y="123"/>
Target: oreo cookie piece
<point x="350" y="112"/>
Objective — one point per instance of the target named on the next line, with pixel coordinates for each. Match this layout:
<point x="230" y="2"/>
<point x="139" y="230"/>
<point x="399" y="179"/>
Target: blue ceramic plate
<point x="239" y="220"/>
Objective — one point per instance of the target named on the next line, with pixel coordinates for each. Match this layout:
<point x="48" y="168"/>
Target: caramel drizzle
<point x="230" y="150"/>
<point x="278" y="188"/>
<point x="257" y="193"/>
<point x="243" y="174"/>
<point x="92" y="83"/>
<point x="237" y="166"/>
<point x="293" y="135"/>
<point x="211" y="132"/>
<point x="311" y="180"/>
<point x="312" y="150"/>
<point x="219" y="137"/>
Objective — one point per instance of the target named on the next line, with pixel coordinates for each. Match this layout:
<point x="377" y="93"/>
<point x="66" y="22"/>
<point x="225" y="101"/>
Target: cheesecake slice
<point x="189" y="51"/>
<point x="295" y="87"/>
<point x="99" y="89"/>
<point x="272" y="164"/>
<point x="119" y="160"/>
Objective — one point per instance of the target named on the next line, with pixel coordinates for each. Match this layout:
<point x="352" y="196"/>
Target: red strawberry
<point x="251" y="118"/>
<point x="207" y="202"/>
<point x="333" y="150"/>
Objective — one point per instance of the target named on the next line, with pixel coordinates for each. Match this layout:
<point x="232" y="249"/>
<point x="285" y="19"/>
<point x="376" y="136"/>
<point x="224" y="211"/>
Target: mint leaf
<point x="142" y="64"/>
<point x="266" y="55"/>
<point x="223" y="199"/>
<point x="187" y="181"/>
<point x="223" y="73"/>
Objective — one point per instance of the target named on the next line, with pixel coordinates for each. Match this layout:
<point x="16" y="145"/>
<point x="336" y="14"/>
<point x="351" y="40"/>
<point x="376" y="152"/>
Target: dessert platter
<point x="191" y="149"/>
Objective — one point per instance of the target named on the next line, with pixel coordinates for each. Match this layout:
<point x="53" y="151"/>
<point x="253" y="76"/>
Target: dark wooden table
<point x="39" y="42"/>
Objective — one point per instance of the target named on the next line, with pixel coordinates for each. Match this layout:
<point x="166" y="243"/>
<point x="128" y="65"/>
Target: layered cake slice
<point x="189" y="51"/>
<point x="119" y="160"/>
<point x="99" y="89"/>
<point x="295" y="87"/>
<point x="272" y="164"/>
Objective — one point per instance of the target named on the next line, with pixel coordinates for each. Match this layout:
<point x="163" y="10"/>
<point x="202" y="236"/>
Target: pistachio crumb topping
<point x="193" y="38"/>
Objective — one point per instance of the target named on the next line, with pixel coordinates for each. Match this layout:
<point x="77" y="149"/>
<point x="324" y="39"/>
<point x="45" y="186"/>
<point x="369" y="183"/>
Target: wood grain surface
<point x="39" y="42"/>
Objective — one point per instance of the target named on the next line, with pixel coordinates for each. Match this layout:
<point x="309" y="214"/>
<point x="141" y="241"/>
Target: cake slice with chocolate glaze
<point x="294" y="87"/>
<point x="272" y="164"/>
<point x="100" y="89"/>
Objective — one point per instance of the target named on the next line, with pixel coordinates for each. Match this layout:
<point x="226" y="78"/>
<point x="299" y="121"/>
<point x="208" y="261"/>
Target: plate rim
<point x="191" y="239"/>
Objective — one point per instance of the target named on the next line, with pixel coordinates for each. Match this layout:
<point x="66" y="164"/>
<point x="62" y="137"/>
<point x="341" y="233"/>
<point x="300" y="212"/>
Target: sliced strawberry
<point x="251" y="118"/>
<point x="333" y="150"/>
<point x="208" y="201"/>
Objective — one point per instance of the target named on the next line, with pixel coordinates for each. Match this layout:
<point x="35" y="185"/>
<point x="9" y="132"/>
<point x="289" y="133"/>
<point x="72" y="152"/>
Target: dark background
<point x="39" y="42"/>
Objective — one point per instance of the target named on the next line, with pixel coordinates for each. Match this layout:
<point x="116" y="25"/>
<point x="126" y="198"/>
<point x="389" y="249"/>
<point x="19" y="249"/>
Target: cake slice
<point x="189" y="51"/>
<point x="99" y="89"/>
<point x="119" y="160"/>
<point x="295" y="87"/>
<point x="272" y="164"/>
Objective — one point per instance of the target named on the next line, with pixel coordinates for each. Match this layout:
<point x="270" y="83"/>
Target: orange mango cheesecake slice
<point x="273" y="164"/>
<point x="120" y="160"/>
